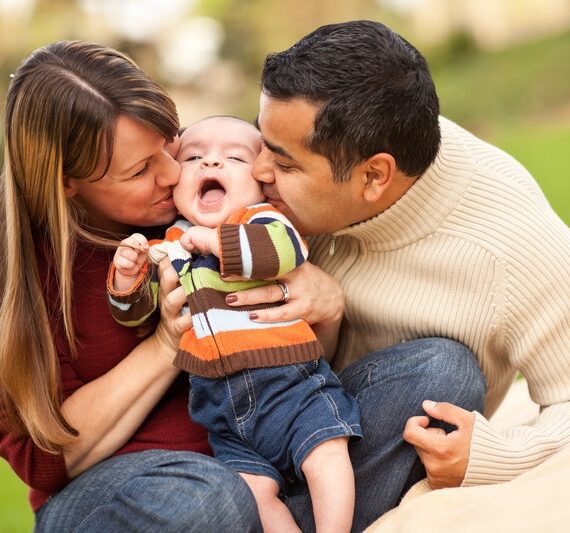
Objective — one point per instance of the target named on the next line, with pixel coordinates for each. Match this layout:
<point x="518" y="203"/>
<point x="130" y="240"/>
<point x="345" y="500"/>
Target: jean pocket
<point x="308" y="368"/>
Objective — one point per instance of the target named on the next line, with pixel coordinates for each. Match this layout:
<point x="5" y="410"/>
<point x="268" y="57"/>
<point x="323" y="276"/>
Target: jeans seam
<point x="240" y="421"/>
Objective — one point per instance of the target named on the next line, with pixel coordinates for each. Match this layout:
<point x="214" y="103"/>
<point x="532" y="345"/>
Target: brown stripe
<point x="137" y="310"/>
<point x="267" y="357"/>
<point x="263" y="252"/>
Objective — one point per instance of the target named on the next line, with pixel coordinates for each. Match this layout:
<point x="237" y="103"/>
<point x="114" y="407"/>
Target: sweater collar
<point x="426" y="204"/>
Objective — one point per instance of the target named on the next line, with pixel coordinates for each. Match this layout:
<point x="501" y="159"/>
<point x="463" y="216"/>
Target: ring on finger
<point x="285" y="290"/>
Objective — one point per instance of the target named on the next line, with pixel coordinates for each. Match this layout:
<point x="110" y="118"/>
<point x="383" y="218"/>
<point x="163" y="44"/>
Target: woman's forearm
<point x="108" y="410"/>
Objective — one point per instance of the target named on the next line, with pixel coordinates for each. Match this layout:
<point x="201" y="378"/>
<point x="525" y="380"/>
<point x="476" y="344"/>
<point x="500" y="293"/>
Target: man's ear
<point x="377" y="175"/>
<point x="69" y="187"/>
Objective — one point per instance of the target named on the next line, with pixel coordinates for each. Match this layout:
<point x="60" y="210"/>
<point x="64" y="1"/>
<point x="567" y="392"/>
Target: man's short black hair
<point x="375" y="91"/>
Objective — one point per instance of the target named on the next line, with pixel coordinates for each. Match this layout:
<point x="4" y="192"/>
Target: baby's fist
<point x="129" y="259"/>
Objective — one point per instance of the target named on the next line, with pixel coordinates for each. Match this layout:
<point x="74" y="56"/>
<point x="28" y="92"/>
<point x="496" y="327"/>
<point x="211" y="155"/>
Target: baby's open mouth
<point x="211" y="191"/>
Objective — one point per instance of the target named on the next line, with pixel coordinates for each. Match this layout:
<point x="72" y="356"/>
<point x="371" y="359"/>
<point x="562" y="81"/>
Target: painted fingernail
<point x="231" y="298"/>
<point x="224" y="276"/>
<point x="253" y="316"/>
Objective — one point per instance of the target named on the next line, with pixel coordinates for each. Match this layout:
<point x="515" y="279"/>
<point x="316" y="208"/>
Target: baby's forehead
<point x="221" y="128"/>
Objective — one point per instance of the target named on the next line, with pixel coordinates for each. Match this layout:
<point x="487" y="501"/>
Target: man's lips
<point x="272" y="197"/>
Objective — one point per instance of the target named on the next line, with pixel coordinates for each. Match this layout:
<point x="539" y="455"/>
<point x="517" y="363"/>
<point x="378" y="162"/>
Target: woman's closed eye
<point x="142" y="171"/>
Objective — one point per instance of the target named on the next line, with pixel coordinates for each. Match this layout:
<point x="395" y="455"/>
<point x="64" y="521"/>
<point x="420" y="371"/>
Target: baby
<point x="264" y="391"/>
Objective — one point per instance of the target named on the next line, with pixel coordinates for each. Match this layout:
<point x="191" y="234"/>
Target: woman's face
<point x="137" y="188"/>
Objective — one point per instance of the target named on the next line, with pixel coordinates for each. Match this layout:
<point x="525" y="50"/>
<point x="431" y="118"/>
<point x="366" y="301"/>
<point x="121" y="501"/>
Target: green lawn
<point x="544" y="152"/>
<point x="15" y="513"/>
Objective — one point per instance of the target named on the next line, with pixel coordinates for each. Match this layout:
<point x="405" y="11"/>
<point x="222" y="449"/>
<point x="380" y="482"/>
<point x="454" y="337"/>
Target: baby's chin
<point x="209" y="220"/>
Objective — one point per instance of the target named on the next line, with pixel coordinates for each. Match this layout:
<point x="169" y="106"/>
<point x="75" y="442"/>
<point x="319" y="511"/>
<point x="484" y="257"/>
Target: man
<point x="430" y="232"/>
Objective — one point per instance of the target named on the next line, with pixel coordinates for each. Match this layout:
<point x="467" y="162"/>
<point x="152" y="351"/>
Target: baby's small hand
<point x="201" y="239"/>
<point x="129" y="259"/>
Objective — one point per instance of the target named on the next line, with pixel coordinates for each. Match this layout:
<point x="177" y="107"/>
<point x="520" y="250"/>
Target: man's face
<point x="297" y="181"/>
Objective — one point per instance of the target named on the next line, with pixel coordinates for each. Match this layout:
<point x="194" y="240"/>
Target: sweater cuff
<point x="494" y="458"/>
<point x="230" y="249"/>
<point x="131" y="294"/>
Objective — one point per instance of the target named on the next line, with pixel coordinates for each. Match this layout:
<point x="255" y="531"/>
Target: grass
<point x="15" y="513"/>
<point x="544" y="151"/>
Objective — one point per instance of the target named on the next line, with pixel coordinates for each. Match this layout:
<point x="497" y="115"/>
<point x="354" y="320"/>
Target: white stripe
<point x="246" y="259"/>
<point x="172" y="249"/>
<point x="227" y="320"/>
<point x="183" y="224"/>
<point x="119" y="305"/>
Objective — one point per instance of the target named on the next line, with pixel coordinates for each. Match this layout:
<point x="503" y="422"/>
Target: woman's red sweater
<point x="102" y="343"/>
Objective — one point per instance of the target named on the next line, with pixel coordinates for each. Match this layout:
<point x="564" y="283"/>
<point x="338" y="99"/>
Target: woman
<point x="94" y="417"/>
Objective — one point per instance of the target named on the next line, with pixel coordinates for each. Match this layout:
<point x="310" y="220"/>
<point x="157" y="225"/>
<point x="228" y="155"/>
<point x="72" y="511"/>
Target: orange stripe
<point x="205" y="348"/>
<point x="240" y="340"/>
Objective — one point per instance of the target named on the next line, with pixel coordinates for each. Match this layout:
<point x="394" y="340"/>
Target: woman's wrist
<point x="163" y="348"/>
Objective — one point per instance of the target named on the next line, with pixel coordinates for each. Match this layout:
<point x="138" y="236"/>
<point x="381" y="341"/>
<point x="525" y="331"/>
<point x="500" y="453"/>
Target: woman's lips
<point x="167" y="202"/>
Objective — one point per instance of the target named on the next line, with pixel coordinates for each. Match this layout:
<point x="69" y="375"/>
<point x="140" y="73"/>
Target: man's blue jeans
<point x="390" y="386"/>
<point x="181" y="491"/>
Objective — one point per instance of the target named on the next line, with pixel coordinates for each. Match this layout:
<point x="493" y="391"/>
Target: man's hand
<point x="445" y="456"/>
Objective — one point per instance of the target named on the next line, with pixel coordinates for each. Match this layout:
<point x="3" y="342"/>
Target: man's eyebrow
<point x="277" y="149"/>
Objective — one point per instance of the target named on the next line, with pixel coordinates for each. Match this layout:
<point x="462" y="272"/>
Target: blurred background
<point x="502" y="69"/>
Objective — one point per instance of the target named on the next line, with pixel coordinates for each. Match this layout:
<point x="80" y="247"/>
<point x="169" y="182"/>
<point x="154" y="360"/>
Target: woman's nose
<point x="169" y="171"/>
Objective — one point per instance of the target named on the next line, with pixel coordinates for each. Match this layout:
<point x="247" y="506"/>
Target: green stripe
<point x="283" y="246"/>
<point x="207" y="278"/>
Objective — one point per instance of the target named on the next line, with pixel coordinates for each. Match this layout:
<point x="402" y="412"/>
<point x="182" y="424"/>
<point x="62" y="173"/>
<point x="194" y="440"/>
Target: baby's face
<point x="217" y="156"/>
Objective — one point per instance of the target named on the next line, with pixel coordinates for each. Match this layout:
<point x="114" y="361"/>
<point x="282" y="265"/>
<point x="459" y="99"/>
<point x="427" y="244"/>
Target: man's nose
<point x="262" y="167"/>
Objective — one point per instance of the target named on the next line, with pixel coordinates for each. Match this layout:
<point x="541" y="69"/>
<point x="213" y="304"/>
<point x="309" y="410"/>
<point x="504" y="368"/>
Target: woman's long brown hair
<point x="61" y="111"/>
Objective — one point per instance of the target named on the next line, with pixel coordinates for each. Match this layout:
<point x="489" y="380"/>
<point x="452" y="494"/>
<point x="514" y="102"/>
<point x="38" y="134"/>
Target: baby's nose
<point x="210" y="162"/>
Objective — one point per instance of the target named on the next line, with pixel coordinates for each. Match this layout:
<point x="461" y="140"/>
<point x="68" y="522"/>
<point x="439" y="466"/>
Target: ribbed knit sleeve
<point x="472" y="252"/>
<point x="259" y="242"/>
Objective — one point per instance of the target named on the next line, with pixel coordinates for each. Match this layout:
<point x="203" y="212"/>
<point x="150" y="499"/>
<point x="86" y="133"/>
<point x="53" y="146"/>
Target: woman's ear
<point x="378" y="175"/>
<point x="69" y="187"/>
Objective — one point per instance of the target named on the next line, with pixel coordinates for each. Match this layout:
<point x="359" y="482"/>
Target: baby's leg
<point x="330" y="477"/>
<point x="275" y="517"/>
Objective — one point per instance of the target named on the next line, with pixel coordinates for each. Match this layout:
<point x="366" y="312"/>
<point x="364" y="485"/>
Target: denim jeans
<point x="182" y="491"/>
<point x="152" y="491"/>
<point x="390" y="386"/>
<point x="265" y="421"/>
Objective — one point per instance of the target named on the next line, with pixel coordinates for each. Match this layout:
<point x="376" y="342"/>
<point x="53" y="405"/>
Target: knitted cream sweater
<point x="471" y="252"/>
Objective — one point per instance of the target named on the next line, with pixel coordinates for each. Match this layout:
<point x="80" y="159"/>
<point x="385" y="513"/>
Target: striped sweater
<point x="257" y="243"/>
<point x="472" y="252"/>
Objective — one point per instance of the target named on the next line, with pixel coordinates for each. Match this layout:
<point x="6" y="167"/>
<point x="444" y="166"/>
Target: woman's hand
<point x="171" y="299"/>
<point x="314" y="296"/>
